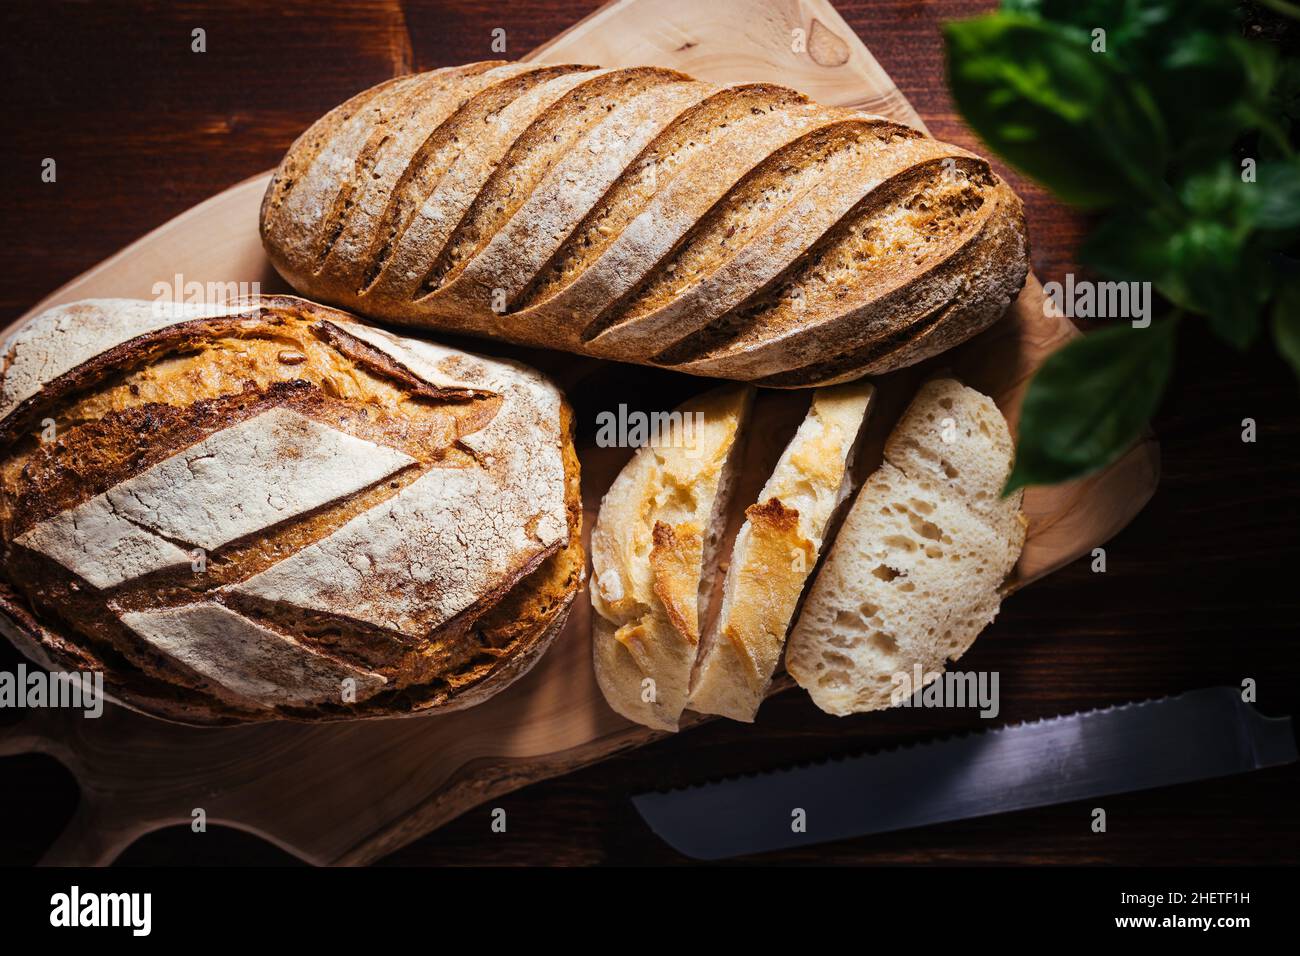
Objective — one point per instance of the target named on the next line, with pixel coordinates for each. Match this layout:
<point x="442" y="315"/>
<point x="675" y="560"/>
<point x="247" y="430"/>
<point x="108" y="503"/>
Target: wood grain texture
<point x="1197" y="590"/>
<point x="804" y="44"/>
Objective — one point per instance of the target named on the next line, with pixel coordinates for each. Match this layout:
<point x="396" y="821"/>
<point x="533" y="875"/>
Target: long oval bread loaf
<point x="741" y="232"/>
<point x="269" y="510"/>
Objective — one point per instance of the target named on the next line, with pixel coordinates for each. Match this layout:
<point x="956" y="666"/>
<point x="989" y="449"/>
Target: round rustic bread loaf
<point x="740" y="232"/>
<point x="268" y="510"/>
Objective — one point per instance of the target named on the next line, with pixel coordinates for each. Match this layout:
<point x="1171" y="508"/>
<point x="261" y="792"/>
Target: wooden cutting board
<point x="350" y="793"/>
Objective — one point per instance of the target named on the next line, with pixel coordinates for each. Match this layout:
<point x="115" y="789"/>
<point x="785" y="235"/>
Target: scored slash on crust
<point x="201" y="496"/>
<point x="444" y="483"/>
<point x="552" y="206"/>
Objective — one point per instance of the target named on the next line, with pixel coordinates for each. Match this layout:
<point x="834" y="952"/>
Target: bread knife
<point x="1193" y="736"/>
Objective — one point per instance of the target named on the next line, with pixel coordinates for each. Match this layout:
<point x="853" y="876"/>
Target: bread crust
<point x="774" y="553"/>
<point x="652" y="549"/>
<point x="590" y="187"/>
<point x="369" y="448"/>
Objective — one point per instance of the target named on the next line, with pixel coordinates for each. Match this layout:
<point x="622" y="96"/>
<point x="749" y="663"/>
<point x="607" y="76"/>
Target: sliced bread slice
<point x="774" y="552"/>
<point x="656" y="535"/>
<point x="915" y="570"/>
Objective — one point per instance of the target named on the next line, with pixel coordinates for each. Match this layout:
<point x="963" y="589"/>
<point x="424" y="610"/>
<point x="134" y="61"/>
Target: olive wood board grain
<point x="349" y="793"/>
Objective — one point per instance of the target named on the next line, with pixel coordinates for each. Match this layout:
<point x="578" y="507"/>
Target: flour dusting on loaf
<point x="258" y="664"/>
<point x="269" y="510"/>
<point x="636" y="214"/>
<point x="205" y="496"/>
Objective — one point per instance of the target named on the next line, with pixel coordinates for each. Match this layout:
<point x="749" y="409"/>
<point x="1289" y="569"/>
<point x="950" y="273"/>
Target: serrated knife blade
<point x="1193" y="736"/>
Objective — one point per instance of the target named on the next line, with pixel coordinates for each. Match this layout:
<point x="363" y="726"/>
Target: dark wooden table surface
<point x="1200" y="590"/>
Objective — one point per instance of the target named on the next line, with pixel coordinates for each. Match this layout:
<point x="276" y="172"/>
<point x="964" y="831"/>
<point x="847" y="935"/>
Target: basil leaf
<point x="1221" y="280"/>
<point x="1286" y="323"/>
<point x="1284" y="97"/>
<point x="1206" y="261"/>
<point x="1066" y="116"/>
<point x="1089" y="401"/>
<point x="1210" y="83"/>
<point x="1219" y="194"/>
<point x="1141" y="246"/>
<point x="1129" y="22"/>
<point x="1132" y="245"/>
<point x="1278" y="186"/>
<point x="1208" y="88"/>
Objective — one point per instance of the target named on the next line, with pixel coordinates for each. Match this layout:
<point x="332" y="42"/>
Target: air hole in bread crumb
<point x="907" y="586"/>
<point x="923" y="507"/>
<point x="884" y="572"/>
<point x="899" y="542"/>
<point x="834" y="679"/>
<point x="846" y="620"/>
<point x="884" y="643"/>
<point x="931" y="551"/>
<point x="868" y="610"/>
<point x="945" y="403"/>
<point x="926" y="529"/>
<point x="948" y="469"/>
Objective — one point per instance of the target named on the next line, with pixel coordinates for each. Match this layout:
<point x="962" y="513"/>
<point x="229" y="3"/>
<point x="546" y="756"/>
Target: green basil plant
<point x="1180" y="134"/>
